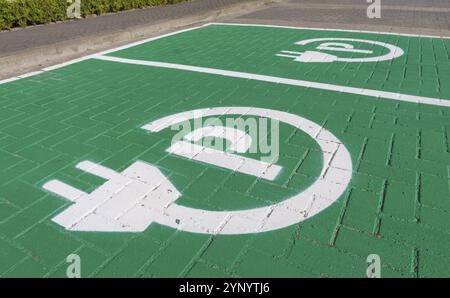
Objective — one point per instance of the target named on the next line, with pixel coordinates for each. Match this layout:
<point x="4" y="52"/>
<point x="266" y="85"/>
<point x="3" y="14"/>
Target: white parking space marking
<point x="286" y="81"/>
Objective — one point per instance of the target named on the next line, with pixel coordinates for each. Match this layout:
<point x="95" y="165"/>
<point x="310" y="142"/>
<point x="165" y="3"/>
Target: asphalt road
<point x="35" y="36"/>
<point x="412" y="16"/>
<point x="35" y="47"/>
<point x="417" y="16"/>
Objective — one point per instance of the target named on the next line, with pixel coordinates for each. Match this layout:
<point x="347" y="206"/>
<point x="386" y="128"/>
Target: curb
<point x="36" y="58"/>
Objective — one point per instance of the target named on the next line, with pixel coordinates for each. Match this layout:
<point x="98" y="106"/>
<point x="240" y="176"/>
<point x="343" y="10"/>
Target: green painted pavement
<point x="423" y="70"/>
<point x="397" y="204"/>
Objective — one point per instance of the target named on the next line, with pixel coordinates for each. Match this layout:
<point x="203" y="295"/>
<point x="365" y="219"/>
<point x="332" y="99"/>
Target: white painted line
<point x="330" y="29"/>
<point x="64" y="190"/>
<point x="286" y="81"/>
<point x="97" y="170"/>
<point x="56" y="66"/>
<point x="133" y="44"/>
<point x="287" y="56"/>
<point x="60" y="65"/>
<point x="30" y="74"/>
<point x="9" y="80"/>
<point x="151" y="39"/>
<point x="292" y="52"/>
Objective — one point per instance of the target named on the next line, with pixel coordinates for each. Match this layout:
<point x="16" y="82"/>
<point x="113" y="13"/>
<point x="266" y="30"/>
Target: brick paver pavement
<point x="391" y="115"/>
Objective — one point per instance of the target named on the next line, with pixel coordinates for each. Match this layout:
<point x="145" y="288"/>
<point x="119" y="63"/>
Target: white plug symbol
<point x="316" y="56"/>
<point x="127" y="202"/>
<point x="341" y="45"/>
<point x="131" y="200"/>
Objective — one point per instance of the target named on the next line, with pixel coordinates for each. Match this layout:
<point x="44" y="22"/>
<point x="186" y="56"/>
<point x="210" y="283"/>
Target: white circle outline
<point x="333" y="181"/>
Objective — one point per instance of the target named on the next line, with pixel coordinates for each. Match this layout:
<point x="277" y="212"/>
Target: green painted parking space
<point x="395" y="204"/>
<point x="422" y="69"/>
